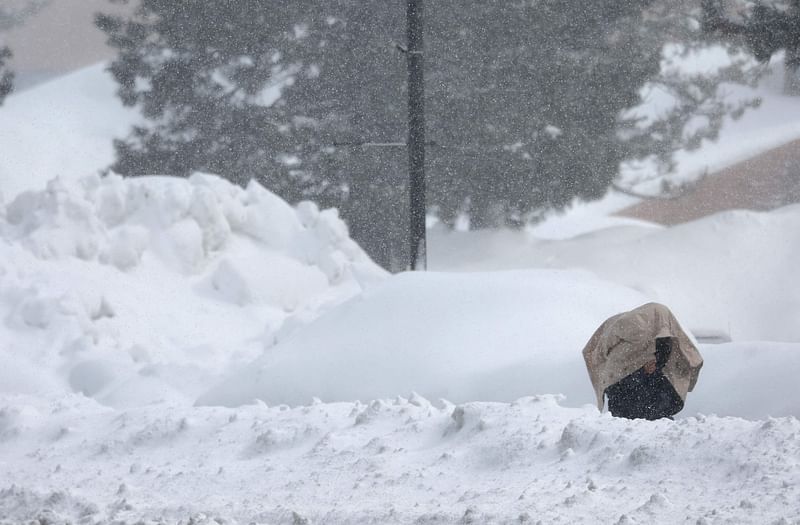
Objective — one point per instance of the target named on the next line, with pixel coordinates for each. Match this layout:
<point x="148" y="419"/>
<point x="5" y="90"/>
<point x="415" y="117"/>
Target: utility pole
<point x="416" y="136"/>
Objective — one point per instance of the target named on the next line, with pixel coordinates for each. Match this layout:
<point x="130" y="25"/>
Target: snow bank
<point x="755" y="380"/>
<point x="489" y="337"/>
<point x="463" y="337"/>
<point x="401" y="460"/>
<point x="135" y="290"/>
<point x="122" y="301"/>
<point x="730" y="273"/>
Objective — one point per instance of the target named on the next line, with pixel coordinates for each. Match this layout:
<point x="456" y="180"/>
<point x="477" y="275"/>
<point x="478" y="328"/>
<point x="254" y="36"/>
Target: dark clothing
<point x="646" y="396"/>
<point x="643" y="396"/>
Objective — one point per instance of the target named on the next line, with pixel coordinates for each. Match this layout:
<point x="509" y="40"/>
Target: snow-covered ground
<point x="724" y="273"/>
<point x="134" y="308"/>
<point x="394" y="461"/>
<point x="184" y="350"/>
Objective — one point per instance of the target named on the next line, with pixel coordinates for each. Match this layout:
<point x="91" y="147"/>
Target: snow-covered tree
<point x="765" y="27"/>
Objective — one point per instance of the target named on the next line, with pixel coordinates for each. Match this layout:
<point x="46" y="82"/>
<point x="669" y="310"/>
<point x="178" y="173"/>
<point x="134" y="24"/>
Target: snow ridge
<point x="134" y="290"/>
<point x="398" y="460"/>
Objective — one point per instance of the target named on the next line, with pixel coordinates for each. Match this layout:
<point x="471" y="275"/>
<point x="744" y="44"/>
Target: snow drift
<point x="131" y="290"/>
<point x="728" y="273"/>
<point x="395" y="461"/>
<point x="503" y="335"/>
<point x="134" y="291"/>
<point x="123" y="301"/>
<point x="492" y="337"/>
<point x="488" y="336"/>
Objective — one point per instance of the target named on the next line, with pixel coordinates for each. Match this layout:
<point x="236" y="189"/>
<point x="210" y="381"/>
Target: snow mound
<point x="494" y="336"/>
<point x="729" y="273"/>
<point x="135" y="290"/>
<point x="400" y="460"/>
<point x="187" y="223"/>
<point x="753" y="380"/>
<point x="489" y="337"/>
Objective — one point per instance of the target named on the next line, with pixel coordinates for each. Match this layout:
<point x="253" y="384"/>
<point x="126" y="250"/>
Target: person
<point x="646" y="393"/>
<point x="643" y="362"/>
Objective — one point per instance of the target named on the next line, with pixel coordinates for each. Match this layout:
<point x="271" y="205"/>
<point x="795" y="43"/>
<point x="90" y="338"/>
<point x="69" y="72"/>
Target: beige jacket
<point x="627" y="341"/>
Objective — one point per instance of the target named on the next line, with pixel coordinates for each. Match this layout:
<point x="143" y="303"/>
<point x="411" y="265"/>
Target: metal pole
<point x="416" y="136"/>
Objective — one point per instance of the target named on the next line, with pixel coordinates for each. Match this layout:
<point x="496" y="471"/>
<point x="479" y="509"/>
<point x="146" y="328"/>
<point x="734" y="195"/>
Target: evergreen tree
<point x="543" y="85"/>
<point x="201" y="73"/>
<point x="523" y="101"/>
<point x="765" y="28"/>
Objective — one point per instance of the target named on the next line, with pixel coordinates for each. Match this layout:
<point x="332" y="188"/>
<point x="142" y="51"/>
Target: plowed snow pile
<point x="352" y="396"/>
<point x="138" y="290"/>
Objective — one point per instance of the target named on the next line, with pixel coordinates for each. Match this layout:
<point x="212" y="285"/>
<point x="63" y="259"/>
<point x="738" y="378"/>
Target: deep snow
<point x="395" y="461"/>
<point x="727" y="273"/>
<point x="144" y="289"/>
<point x="124" y="302"/>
